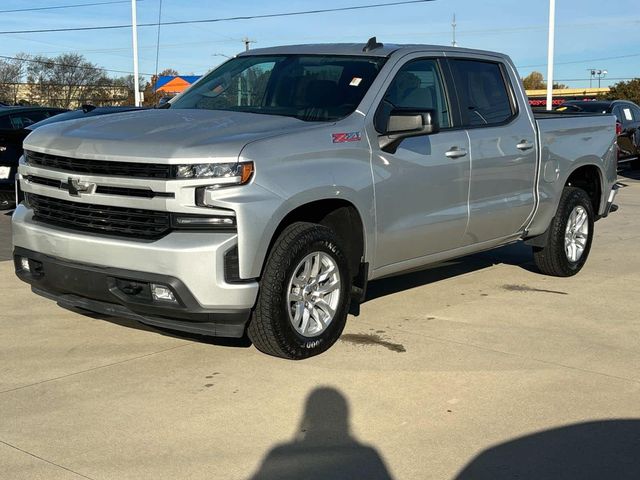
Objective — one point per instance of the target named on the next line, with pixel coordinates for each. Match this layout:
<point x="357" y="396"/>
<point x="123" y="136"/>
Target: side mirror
<point x="405" y="123"/>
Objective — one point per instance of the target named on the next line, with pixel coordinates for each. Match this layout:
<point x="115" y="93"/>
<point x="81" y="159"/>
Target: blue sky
<point x="590" y="33"/>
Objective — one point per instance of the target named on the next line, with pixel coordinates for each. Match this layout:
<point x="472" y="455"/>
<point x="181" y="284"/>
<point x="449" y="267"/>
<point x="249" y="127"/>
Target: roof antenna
<point x="372" y="44"/>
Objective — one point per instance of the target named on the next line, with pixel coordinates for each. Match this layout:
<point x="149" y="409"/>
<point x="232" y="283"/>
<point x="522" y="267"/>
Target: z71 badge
<point x="346" y="137"/>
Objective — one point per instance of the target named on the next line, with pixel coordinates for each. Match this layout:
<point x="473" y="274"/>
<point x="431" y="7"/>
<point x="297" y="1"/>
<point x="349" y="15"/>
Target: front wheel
<point x="304" y="294"/>
<point x="570" y="236"/>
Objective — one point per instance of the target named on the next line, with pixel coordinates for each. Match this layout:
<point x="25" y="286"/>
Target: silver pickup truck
<point x="263" y="199"/>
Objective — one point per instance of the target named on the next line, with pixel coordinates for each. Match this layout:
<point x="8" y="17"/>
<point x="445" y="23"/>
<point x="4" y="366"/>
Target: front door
<point x="421" y="189"/>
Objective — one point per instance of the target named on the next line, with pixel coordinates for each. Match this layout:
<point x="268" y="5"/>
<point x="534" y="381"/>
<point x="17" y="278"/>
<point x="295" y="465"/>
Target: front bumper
<point x="192" y="263"/>
<point x="124" y="293"/>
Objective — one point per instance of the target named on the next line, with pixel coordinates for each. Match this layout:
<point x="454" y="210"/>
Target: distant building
<point x="174" y="84"/>
<point x="65" y="96"/>
<point x="538" y="98"/>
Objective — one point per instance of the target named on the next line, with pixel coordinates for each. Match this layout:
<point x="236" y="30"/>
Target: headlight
<point x="233" y="173"/>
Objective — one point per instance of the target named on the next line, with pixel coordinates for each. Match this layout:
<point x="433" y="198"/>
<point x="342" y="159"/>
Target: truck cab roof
<point x="359" y="49"/>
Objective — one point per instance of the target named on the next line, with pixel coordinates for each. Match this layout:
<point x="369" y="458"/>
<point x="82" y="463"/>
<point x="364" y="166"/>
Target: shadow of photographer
<point x="323" y="447"/>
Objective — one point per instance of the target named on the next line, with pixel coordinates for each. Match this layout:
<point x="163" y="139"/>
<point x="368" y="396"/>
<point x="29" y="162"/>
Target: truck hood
<point x="167" y="136"/>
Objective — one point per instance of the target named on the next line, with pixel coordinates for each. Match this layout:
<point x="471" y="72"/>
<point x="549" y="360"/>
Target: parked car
<point x="85" y="112"/>
<point x="14" y="123"/>
<point x="264" y="206"/>
<point x="627" y="123"/>
<point x="8" y="193"/>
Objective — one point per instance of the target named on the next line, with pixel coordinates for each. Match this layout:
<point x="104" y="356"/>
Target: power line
<point x="584" y="61"/>
<point x="58" y="7"/>
<point x="216" y="20"/>
<point x="83" y="67"/>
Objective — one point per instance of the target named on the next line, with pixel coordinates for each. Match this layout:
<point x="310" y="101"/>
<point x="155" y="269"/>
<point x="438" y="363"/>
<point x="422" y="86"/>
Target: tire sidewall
<point x="316" y="239"/>
<point x="574" y="197"/>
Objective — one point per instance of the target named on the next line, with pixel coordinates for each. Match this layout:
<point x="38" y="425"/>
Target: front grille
<point x="99" y="167"/>
<point x="103" y="189"/>
<point x="119" y="221"/>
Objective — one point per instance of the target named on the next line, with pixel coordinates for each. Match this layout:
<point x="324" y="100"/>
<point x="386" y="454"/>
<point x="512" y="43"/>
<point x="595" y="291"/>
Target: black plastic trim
<point x="96" y="289"/>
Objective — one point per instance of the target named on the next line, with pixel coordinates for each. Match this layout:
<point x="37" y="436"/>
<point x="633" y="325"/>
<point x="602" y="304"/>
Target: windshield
<point x="311" y="88"/>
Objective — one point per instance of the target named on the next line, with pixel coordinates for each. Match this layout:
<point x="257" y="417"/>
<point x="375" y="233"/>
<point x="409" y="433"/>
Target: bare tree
<point x="65" y="79"/>
<point x="11" y="75"/>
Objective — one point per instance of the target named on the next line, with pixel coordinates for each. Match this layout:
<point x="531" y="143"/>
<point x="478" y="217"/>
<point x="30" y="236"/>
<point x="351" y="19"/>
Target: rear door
<point x="503" y="149"/>
<point x="10" y="149"/>
<point x="628" y="115"/>
<point x="420" y="189"/>
<point x="636" y="129"/>
<point x="12" y="133"/>
<point x="626" y="144"/>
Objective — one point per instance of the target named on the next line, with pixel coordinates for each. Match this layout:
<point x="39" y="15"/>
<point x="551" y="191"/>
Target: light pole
<point x="599" y="73"/>
<point x="134" y="30"/>
<point x="552" y="30"/>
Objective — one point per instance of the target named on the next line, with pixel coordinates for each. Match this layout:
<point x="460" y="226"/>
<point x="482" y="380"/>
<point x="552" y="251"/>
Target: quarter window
<point x="418" y="85"/>
<point x="484" y="96"/>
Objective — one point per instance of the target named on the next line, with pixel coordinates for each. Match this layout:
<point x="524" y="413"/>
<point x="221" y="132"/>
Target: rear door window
<point x="485" y="96"/>
<point x="627" y="114"/>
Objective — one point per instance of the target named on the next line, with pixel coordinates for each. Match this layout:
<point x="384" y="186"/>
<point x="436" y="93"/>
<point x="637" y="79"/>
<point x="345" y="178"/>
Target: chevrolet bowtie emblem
<point x="76" y="187"/>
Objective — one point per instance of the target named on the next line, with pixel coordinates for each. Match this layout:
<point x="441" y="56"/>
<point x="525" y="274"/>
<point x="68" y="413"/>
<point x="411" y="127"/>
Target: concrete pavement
<point x="477" y="369"/>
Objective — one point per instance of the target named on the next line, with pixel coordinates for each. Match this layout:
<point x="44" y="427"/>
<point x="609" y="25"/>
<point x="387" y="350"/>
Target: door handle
<point x="524" y="145"/>
<point x="456" y="152"/>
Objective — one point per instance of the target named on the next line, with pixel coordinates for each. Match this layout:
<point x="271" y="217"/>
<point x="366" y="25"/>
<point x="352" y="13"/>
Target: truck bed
<point x="566" y="141"/>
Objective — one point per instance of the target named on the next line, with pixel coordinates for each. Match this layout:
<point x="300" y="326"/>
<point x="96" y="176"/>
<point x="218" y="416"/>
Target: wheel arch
<point x="339" y="214"/>
<point x="590" y="178"/>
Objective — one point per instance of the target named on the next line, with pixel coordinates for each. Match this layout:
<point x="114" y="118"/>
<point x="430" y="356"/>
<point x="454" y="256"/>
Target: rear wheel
<point x="570" y="236"/>
<point x="304" y="294"/>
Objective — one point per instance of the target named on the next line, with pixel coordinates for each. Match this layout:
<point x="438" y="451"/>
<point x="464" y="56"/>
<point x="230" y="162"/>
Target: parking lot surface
<point x="479" y="368"/>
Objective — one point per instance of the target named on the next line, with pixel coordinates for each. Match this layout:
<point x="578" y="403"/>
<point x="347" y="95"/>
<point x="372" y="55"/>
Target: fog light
<point x="24" y="264"/>
<point x="162" y="293"/>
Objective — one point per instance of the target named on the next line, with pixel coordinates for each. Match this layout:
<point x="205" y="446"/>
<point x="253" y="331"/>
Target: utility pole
<point x="134" y="29"/>
<point x="453" y="26"/>
<point x="550" y="56"/>
<point x="247" y="41"/>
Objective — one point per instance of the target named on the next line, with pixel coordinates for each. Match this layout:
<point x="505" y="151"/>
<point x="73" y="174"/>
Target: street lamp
<point x="599" y="73"/>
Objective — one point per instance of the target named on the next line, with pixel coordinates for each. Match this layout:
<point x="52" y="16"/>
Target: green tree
<point x="535" y="81"/>
<point x="625" y="91"/>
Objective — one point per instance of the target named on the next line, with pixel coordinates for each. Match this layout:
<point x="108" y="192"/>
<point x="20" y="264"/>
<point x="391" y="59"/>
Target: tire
<point x="7" y="201"/>
<point x="556" y="258"/>
<point x="288" y="294"/>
